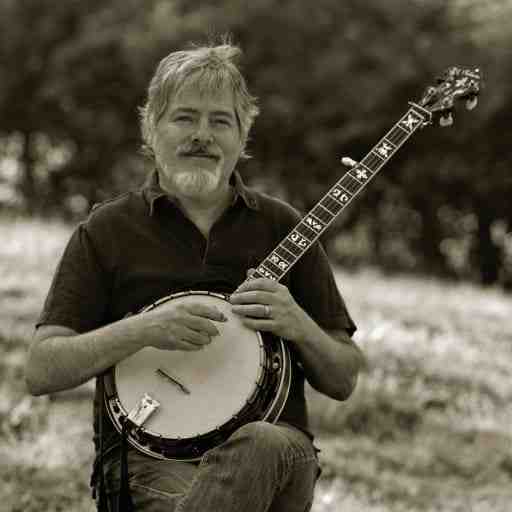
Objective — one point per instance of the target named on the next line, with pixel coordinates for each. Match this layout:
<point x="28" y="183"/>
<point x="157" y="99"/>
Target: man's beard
<point x="196" y="182"/>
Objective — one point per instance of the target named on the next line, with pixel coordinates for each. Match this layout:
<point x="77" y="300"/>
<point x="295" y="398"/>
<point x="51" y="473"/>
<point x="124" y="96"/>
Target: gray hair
<point x="214" y="68"/>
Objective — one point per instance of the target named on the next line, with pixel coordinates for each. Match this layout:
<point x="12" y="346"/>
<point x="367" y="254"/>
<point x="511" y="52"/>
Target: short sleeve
<point x="314" y="287"/>
<point x="78" y="295"/>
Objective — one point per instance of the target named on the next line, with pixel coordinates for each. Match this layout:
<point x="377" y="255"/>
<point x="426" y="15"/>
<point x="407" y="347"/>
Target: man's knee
<point x="261" y="433"/>
<point x="254" y="442"/>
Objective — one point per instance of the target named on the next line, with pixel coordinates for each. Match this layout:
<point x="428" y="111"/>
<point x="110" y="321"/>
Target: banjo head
<point x="180" y="402"/>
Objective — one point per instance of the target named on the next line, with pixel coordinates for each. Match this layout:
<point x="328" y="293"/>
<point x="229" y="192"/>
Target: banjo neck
<point x="456" y="84"/>
<point x="340" y="195"/>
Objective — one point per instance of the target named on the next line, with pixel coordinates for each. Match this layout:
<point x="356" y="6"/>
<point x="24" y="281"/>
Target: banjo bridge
<point x="173" y="380"/>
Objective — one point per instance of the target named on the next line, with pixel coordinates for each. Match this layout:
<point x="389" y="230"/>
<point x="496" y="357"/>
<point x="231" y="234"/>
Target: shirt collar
<point x="153" y="192"/>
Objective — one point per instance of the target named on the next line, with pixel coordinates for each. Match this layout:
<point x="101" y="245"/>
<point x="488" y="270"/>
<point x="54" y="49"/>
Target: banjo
<point x="179" y="404"/>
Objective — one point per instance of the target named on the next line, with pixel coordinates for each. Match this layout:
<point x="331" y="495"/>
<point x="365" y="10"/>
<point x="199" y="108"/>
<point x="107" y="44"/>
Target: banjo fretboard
<point x="321" y="216"/>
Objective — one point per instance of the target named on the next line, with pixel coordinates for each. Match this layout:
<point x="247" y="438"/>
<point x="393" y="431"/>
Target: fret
<point x="424" y="114"/>
<point x="362" y="173"/>
<point x="372" y="162"/>
<point x="340" y="194"/>
<point x="320" y="212"/>
<point x="284" y="253"/>
<point x="305" y="231"/>
<point x="411" y="121"/>
<point x="281" y="263"/>
<point x="350" y="184"/>
<point x="402" y="129"/>
<point x="357" y="175"/>
<point x="378" y="155"/>
<point x="397" y="135"/>
<point x="385" y="149"/>
<point x="271" y="263"/>
<point x="389" y="143"/>
<point x="255" y="275"/>
<point x="361" y="164"/>
<point x="297" y="240"/>
<point x="329" y="213"/>
<point x="292" y="248"/>
<point x="313" y="223"/>
<point x="265" y="272"/>
<point x="332" y="205"/>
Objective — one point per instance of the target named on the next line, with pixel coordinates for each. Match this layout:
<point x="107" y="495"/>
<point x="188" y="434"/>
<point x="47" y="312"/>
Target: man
<point x="194" y="225"/>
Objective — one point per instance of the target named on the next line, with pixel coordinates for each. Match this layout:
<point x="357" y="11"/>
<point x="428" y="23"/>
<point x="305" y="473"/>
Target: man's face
<point x="197" y="143"/>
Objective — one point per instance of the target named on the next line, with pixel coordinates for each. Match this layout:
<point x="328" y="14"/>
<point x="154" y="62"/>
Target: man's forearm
<point x="331" y="360"/>
<point x="67" y="359"/>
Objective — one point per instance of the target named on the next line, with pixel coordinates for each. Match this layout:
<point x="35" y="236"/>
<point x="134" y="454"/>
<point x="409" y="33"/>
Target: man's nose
<point x="203" y="132"/>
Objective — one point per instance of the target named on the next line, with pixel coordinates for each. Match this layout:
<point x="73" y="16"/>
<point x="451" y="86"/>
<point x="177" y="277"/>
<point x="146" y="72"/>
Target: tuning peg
<point x="348" y="162"/>
<point x="446" y="120"/>
<point x="471" y="102"/>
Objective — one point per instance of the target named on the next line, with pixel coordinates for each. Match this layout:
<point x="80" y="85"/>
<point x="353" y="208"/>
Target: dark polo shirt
<point x="139" y="247"/>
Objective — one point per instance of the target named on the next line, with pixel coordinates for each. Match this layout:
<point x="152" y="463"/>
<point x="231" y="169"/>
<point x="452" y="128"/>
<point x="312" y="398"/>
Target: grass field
<point x="428" y="428"/>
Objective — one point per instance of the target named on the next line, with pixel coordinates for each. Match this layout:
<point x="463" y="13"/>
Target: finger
<point x="202" y="310"/>
<point x="259" y="324"/>
<point x="251" y="310"/>
<point x="260" y="283"/>
<point x="199" y="338"/>
<point x="200" y="325"/>
<point x="252" y="297"/>
<point x="187" y="346"/>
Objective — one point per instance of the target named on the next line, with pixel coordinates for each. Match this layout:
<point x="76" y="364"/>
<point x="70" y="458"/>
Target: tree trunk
<point x="28" y="184"/>
<point x="428" y="245"/>
<point x="488" y="254"/>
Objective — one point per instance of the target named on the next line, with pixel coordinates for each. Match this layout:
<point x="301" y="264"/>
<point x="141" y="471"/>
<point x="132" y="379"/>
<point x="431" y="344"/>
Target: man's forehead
<point x="192" y="95"/>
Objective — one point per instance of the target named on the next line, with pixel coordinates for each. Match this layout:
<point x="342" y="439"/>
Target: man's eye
<point x="183" y="119"/>
<point x="222" y="122"/>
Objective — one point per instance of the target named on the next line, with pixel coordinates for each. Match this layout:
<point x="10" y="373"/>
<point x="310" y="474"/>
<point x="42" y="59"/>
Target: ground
<point x="428" y="428"/>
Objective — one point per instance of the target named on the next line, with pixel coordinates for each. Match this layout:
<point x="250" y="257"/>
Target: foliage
<point x="331" y="76"/>
<point x="427" y="428"/>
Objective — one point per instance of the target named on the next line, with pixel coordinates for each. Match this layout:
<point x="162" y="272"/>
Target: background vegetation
<point x="428" y="428"/>
<point x="332" y="77"/>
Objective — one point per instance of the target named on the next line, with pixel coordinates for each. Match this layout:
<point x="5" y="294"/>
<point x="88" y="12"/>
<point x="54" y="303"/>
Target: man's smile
<point x="200" y="154"/>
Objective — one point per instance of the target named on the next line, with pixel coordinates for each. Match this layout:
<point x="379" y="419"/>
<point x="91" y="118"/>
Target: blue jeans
<point x="261" y="467"/>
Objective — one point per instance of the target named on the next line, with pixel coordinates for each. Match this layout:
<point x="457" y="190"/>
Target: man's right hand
<point x="178" y="326"/>
<point x="61" y="358"/>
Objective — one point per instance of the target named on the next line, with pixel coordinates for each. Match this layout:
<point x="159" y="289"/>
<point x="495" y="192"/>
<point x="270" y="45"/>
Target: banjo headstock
<point x="455" y="84"/>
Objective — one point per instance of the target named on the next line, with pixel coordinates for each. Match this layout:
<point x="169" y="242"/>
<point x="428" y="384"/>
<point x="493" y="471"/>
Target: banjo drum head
<point x="220" y="378"/>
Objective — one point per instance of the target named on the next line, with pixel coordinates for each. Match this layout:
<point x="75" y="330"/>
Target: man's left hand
<point x="265" y="305"/>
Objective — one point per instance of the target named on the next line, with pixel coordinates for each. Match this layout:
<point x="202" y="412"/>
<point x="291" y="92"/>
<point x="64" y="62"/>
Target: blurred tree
<point x="489" y="157"/>
<point x="332" y="77"/>
<point x="56" y="95"/>
<point x="472" y="158"/>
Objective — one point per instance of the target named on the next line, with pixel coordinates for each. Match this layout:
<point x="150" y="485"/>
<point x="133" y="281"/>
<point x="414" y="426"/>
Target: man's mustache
<point x="196" y="149"/>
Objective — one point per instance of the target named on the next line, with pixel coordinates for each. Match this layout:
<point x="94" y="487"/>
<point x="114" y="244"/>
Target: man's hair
<point x="214" y="69"/>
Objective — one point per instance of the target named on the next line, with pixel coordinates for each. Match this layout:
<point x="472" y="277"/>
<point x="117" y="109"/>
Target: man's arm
<point x="60" y="358"/>
<point x="331" y="360"/>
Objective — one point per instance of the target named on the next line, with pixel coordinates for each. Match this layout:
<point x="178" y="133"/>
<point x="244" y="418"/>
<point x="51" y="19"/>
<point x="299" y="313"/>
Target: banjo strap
<point x="98" y="472"/>
<point x="125" y="503"/>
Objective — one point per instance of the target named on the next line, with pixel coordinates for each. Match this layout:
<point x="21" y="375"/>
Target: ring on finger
<point x="267" y="312"/>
